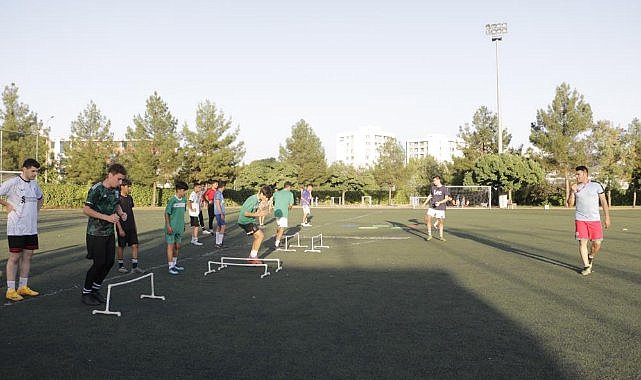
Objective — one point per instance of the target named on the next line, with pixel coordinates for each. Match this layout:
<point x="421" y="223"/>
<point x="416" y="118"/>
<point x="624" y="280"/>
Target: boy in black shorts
<point x="128" y="229"/>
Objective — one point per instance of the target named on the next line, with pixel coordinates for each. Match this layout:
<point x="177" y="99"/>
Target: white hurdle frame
<point x="152" y="295"/>
<point x="297" y="234"/>
<point x="223" y="264"/>
<point x="313" y="248"/>
<point x="285" y="247"/>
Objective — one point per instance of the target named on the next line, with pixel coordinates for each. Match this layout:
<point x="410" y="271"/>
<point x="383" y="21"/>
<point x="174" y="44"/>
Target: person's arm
<point x="606" y="209"/>
<point x="571" y="197"/>
<point x="113" y="218"/>
<point x="170" y="230"/>
<point x="427" y="200"/>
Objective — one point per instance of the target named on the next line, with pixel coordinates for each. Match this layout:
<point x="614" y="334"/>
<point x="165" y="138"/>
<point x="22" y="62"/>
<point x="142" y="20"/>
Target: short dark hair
<point x="436" y="176"/>
<point x="30" y="163"/>
<point x="267" y="191"/>
<point x="181" y="185"/>
<point x="221" y="183"/>
<point x="117" y="169"/>
<point x="126" y="182"/>
<point x="287" y="183"/>
<point x="582" y="168"/>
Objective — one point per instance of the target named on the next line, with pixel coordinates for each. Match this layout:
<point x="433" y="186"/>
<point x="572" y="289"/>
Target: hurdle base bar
<point x="117" y="313"/>
<point x="286" y="247"/>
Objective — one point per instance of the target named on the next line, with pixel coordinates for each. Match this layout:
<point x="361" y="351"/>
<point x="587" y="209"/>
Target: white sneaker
<point x="123" y="270"/>
<point x="206" y="232"/>
<point x="196" y="242"/>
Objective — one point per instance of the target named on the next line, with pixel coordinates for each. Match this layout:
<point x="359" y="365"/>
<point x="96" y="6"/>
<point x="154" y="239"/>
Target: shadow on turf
<point x="410" y="230"/>
<point x="349" y="324"/>
<point x="509" y="249"/>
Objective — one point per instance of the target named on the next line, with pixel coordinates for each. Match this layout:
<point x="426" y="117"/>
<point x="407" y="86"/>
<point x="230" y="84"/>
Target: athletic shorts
<point x="438" y="214"/>
<point x="18" y="243"/>
<point x="588" y="230"/>
<point x="130" y="238"/>
<point x="100" y="246"/>
<point x="174" y="238"/>
<point x="281" y="222"/>
<point x="193" y="221"/>
<point x="220" y="221"/>
<point x="307" y="209"/>
<point x="249" y="228"/>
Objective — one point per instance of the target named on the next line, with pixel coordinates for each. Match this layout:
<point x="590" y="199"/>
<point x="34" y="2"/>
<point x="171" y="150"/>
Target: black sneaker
<point x="98" y="296"/>
<point x="89" y="299"/>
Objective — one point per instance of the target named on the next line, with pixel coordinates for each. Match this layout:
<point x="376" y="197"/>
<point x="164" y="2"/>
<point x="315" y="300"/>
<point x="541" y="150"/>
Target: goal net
<point x="463" y="197"/>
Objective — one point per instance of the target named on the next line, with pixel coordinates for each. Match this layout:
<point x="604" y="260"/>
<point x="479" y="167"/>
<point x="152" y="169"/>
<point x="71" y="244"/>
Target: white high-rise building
<point x="360" y="148"/>
<point x="441" y="147"/>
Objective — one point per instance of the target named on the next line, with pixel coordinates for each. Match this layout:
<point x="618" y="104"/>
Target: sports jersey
<point x="104" y="201"/>
<point x="176" y="211"/>
<point x="194" y="198"/>
<point x="127" y="206"/>
<point x="438" y="194"/>
<point x="587" y="202"/>
<point x="23" y="196"/>
<point x="306" y="198"/>
<point x="282" y="200"/>
<point x="250" y="205"/>
<point x="219" y="197"/>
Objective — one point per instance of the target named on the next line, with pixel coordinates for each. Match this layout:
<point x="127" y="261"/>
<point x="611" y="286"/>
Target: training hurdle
<point x="225" y="262"/>
<point x="152" y="295"/>
<point x="287" y="247"/>
<point x="314" y="247"/>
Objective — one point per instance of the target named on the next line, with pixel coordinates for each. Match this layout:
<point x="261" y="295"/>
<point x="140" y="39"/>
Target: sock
<point x="23" y="282"/>
<point x="134" y="263"/>
<point x="95" y="287"/>
<point x="217" y="237"/>
<point x="253" y="254"/>
<point x="86" y="291"/>
<point x="11" y="285"/>
<point x="121" y="263"/>
<point x="171" y="264"/>
<point x="174" y="260"/>
<point x="277" y="242"/>
<point x="222" y="236"/>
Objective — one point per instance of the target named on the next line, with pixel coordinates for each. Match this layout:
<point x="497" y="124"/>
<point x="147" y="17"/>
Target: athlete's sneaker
<point x="587" y="270"/>
<point x="255" y="261"/>
<point x="98" y="296"/>
<point x="429" y="237"/>
<point x="179" y="269"/>
<point x="26" y="291"/>
<point x="173" y="270"/>
<point x="206" y="232"/>
<point x="306" y="224"/>
<point x="137" y="270"/>
<point x="442" y="238"/>
<point x="122" y="270"/>
<point x="89" y="299"/>
<point x="218" y="246"/>
<point x="12" y="295"/>
<point x="196" y="242"/>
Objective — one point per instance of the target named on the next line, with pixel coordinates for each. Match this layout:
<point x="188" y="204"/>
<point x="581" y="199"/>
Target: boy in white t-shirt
<point x="193" y="205"/>
<point x="23" y="201"/>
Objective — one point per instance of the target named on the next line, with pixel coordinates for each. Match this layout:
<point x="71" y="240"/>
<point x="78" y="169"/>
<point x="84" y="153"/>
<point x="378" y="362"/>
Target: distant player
<point x="439" y="195"/>
<point x="193" y="204"/>
<point x="24" y="200"/>
<point x="248" y="213"/>
<point x="175" y="226"/>
<point x="129" y="230"/>
<point x="587" y="195"/>
<point x="283" y="202"/>
<point x="306" y="203"/>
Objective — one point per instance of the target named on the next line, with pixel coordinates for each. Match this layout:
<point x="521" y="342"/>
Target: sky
<point x="410" y="68"/>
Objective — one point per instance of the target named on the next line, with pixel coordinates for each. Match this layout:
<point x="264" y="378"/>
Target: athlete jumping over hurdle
<point x="247" y="220"/>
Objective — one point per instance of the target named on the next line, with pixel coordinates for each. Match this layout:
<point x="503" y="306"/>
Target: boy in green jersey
<point x="175" y="226"/>
<point x="283" y="202"/>
<point x="247" y="219"/>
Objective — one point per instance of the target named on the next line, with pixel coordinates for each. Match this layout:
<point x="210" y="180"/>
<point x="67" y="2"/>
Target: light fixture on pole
<point x="496" y="32"/>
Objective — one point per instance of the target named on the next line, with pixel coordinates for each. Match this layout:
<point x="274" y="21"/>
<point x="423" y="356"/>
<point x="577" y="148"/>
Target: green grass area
<point x="500" y="299"/>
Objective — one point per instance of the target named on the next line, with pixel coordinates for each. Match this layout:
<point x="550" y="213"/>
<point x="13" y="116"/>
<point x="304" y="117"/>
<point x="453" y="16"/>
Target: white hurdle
<point x="298" y="245"/>
<point x="152" y="295"/>
<point x="314" y="247"/>
<point x="225" y="262"/>
<point x="286" y="246"/>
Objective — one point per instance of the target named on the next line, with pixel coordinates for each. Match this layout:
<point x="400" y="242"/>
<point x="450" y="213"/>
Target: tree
<point x="305" y="150"/>
<point x="20" y="126"/>
<point x="212" y="150"/>
<point x="609" y="151"/>
<point x="559" y="131"/>
<point x="633" y="139"/>
<point x="151" y="156"/>
<point x="267" y="171"/>
<point x="344" y="178"/>
<point x="389" y="170"/>
<point x="91" y="147"/>
<point x="507" y="171"/>
<point x="421" y="171"/>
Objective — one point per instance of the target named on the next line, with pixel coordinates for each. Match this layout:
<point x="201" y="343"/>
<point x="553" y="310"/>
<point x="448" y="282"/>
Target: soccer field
<point x="501" y="298"/>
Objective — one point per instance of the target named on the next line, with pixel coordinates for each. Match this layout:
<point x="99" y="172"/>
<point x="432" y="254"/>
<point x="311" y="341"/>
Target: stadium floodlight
<point x="496" y="32"/>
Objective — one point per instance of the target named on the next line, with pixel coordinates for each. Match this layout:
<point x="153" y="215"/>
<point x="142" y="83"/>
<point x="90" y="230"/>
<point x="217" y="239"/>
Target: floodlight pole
<point x="496" y="32"/>
<point x="38" y="134"/>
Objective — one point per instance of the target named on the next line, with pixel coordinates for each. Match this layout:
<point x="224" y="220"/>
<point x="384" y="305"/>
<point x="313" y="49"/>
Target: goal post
<point x="471" y="196"/>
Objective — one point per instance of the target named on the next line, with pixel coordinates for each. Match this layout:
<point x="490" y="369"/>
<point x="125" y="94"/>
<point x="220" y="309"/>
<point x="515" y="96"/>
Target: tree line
<point x="158" y="151"/>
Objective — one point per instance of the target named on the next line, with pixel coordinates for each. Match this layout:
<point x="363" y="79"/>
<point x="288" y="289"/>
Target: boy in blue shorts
<point x="247" y="220"/>
<point x="175" y="226"/>
<point x="219" y="213"/>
